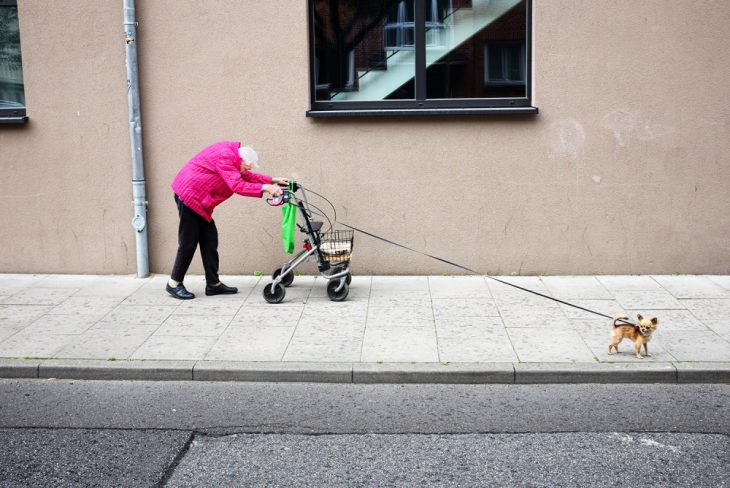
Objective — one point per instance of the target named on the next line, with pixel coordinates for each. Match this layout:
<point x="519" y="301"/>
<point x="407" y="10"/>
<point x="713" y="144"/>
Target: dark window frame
<point x="420" y="105"/>
<point x="12" y="115"/>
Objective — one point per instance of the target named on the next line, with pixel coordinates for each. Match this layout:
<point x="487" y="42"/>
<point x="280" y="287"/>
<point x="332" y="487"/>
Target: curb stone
<point x="527" y="373"/>
<point x="95" y="369"/>
<point x="367" y="373"/>
<point x="460" y="373"/>
<point x="273" y="372"/>
<point x="19" y="368"/>
<point x="703" y="372"/>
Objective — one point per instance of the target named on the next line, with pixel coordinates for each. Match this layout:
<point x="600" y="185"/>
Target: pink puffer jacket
<point x="212" y="176"/>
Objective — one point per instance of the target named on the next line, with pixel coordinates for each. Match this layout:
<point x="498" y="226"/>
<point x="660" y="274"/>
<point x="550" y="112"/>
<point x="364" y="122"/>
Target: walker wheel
<point x="274" y="294"/>
<point x="337" y="296"/>
<point x="286" y="280"/>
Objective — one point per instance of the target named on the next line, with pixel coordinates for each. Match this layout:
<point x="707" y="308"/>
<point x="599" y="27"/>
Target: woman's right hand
<point x="273" y="190"/>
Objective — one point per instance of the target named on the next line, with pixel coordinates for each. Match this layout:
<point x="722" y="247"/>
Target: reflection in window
<point x="490" y="62"/>
<point x="400" y="25"/>
<point x="12" y="95"/>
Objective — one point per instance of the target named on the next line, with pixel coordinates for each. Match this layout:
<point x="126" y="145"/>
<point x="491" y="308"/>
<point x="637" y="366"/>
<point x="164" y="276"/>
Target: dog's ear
<point x="640" y="317"/>
<point x="655" y="321"/>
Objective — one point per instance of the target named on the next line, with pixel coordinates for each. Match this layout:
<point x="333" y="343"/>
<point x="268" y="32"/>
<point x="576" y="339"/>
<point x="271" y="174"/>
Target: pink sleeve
<point x="256" y="178"/>
<point x="228" y="170"/>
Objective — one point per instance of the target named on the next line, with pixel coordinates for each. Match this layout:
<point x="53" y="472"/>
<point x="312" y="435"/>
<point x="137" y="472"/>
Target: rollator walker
<point x="333" y="250"/>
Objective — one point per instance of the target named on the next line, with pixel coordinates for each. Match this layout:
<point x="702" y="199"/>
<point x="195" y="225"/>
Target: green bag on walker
<point x="288" y="225"/>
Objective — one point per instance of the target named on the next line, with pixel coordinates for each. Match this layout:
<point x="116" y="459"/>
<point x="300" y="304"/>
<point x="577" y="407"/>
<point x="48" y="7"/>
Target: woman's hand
<point x="272" y="190"/>
<point x="280" y="181"/>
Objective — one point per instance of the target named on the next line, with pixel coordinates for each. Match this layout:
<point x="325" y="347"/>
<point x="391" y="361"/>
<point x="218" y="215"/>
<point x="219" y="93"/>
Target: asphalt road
<point x="220" y="434"/>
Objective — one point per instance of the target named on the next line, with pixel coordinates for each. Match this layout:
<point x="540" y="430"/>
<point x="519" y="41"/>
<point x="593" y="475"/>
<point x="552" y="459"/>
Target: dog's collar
<point x="643" y="330"/>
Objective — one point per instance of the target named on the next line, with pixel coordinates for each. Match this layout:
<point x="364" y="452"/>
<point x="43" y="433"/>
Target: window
<point x="403" y="57"/>
<point x="12" y="94"/>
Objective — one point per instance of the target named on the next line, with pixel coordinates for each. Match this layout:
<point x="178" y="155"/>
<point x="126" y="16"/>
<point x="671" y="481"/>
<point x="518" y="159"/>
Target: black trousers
<point x="194" y="230"/>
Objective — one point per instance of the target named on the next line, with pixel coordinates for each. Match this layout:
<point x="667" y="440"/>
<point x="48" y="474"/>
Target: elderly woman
<point x="206" y="181"/>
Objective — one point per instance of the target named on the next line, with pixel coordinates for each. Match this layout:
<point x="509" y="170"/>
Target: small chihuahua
<point x="639" y="334"/>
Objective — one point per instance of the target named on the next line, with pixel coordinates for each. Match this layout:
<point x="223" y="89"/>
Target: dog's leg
<point x="638" y="350"/>
<point x="646" y="349"/>
<point x="614" y="346"/>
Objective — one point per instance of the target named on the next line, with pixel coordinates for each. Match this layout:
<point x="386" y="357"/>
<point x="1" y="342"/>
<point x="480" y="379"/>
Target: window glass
<point x="374" y="55"/>
<point x="480" y="51"/>
<point x="363" y="49"/>
<point x="12" y="95"/>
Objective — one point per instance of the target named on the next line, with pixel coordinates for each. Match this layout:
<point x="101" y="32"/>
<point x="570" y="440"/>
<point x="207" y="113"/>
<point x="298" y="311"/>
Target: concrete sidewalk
<point x="463" y="329"/>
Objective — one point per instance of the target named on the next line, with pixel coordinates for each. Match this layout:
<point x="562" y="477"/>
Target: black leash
<point x="476" y="273"/>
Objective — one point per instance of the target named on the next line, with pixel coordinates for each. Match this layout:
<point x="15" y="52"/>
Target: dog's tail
<point x="617" y="317"/>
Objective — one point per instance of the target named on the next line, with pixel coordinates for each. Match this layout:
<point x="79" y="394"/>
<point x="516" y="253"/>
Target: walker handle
<point x="280" y="200"/>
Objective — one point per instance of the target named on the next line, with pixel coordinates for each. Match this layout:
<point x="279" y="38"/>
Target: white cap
<point x="249" y="156"/>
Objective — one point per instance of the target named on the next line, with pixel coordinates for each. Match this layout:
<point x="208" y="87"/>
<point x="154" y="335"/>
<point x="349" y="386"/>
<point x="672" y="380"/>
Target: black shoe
<point x="221" y="289"/>
<point x="179" y="292"/>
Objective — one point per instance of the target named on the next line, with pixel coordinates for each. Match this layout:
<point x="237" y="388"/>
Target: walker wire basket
<point x="336" y="246"/>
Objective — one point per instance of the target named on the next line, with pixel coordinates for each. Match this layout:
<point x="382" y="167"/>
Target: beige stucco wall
<point x="625" y="169"/>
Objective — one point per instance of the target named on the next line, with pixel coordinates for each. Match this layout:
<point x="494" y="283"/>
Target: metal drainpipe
<point x="139" y="221"/>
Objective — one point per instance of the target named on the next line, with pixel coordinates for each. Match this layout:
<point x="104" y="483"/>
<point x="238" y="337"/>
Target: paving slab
<point x="560" y="345"/>
<point x="257" y="343"/>
<point x="464" y="307"/>
<point x="632" y="299"/>
<point x="39" y="296"/>
<point x="708" y="308"/>
<point x="84" y="305"/>
<point x="22" y="314"/>
<point x="508" y="293"/>
<point x="140" y="314"/>
<point x="252" y="315"/>
<point x="34" y="345"/>
<point x="9" y="329"/>
<point x="458" y="287"/>
<point x="111" y="286"/>
<point x="194" y="325"/>
<point x="605" y="307"/>
<point x="576" y="287"/>
<point x="13" y="283"/>
<point x="529" y="315"/>
<point x="401" y="300"/>
<point x="686" y="286"/>
<point x="390" y="285"/>
<point x="173" y="347"/>
<point x="400" y="344"/>
<point x="722" y="281"/>
<point x="696" y="345"/>
<point x="62" y="324"/>
<point x="481" y="345"/>
<point x="629" y="283"/>
<point x="308" y="348"/>
<point x="447" y="327"/>
<point x="720" y="327"/>
<point x="403" y="316"/>
<point x="105" y="343"/>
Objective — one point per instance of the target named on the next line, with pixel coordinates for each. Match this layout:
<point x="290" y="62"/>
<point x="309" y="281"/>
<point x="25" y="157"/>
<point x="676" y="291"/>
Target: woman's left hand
<point x="280" y="181"/>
